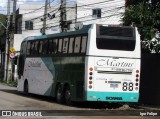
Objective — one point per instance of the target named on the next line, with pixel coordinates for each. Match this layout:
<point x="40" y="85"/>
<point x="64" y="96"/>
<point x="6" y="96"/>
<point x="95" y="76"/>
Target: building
<point x="30" y="16"/>
<point x="29" y="20"/>
<point x="100" y="11"/>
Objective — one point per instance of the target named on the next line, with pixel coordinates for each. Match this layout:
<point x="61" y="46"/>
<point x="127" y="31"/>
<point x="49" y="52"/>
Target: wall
<point x="111" y="11"/>
<point x="150" y="79"/>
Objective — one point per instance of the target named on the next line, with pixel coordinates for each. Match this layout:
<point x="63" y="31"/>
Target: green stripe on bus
<point x="112" y="96"/>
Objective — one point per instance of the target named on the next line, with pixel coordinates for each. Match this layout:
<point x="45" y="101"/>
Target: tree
<point x="146" y="16"/>
<point x="3" y="21"/>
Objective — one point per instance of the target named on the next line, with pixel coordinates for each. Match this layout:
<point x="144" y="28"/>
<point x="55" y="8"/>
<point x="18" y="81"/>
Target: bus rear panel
<point x="113" y="64"/>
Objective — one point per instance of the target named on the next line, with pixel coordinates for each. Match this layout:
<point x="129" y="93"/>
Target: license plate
<point x="114" y="85"/>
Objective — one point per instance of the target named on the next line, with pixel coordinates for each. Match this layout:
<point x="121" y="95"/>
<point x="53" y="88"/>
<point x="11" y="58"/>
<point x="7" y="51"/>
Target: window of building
<point x="29" y="25"/>
<point x="96" y="13"/>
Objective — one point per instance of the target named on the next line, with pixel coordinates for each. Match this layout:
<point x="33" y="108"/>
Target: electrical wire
<point x="107" y="11"/>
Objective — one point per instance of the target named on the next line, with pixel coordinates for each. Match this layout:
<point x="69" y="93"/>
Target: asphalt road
<point x="12" y="100"/>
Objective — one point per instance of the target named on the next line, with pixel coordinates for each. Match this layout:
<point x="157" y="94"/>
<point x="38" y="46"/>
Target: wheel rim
<point x="68" y="96"/>
<point x="59" y="94"/>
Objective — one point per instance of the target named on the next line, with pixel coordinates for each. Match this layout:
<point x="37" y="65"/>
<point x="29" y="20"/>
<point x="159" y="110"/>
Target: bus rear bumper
<point x="112" y="96"/>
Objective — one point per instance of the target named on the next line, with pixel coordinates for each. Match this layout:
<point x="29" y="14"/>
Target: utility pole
<point x="63" y="15"/>
<point x="76" y="13"/>
<point x="12" y="36"/>
<point x="44" y="18"/>
<point x="7" y="44"/>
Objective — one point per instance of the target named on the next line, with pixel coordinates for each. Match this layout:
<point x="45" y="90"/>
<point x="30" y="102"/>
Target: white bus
<point x="95" y="63"/>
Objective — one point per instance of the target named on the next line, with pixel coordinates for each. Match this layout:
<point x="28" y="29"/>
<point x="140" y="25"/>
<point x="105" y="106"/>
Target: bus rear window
<point x="115" y="44"/>
<point x="116" y="31"/>
<point x="116" y="38"/>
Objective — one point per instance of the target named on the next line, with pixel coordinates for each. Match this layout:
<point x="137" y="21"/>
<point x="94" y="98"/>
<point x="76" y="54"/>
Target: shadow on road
<point x="91" y="105"/>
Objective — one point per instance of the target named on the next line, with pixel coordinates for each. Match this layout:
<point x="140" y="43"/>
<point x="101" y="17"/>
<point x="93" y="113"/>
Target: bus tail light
<point x="90" y="82"/>
<point x="90" y="77"/>
<point x="137" y="71"/>
<point x="137" y="79"/>
<point x="136" y="88"/>
<point x="90" y="73"/>
<point x="136" y="84"/>
<point x="137" y="75"/>
<point x="91" y="69"/>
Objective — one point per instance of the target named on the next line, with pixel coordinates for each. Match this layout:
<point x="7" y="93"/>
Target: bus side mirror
<point x="15" y="60"/>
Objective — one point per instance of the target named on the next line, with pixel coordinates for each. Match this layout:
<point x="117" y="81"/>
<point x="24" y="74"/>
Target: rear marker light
<point x="90" y="86"/>
<point x="90" y="78"/>
<point x="137" y="75"/>
<point x="137" y="71"/>
<point x="90" y="73"/>
<point x="91" y="69"/>
<point x="136" y="84"/>
<point x="90" y="82"/>
<point x="136" y="88"/>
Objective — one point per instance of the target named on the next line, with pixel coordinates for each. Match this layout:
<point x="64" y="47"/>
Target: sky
<point x="3" y="4"/>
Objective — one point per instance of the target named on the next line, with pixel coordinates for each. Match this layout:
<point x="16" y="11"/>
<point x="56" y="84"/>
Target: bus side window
<point x="45" y="47"/>
<point x="28" y="48"/>
<point x="77" y="44"/>
<point x="32" y="47"/>
<point x="60" y="46"/>
<point x="83" y="44"/>
<point x="65" y="45"/>
<point x="71" y="45"/>
<point x="50" y="47"/>
<point x="55" y="46"/>
<point x="22" y="48"/>
<point x="40" y="47"/>
<point x="36" y="47"/>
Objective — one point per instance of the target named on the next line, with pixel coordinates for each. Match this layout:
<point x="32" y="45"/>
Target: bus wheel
<point x="59" y="94"/>
<point x="26" y="87"/>
<point x="67" y="96"/>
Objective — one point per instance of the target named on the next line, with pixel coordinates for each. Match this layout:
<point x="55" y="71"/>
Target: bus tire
<point x="26" y="87"/>
<point x="67" y="96"/>
<point x="59" y="94"/>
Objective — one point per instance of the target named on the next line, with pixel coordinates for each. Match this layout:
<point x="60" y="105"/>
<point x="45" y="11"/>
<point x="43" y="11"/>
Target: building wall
<point x="111" y="11"/>
<point x="111" y="14"/>
<point x="24" y="10"/>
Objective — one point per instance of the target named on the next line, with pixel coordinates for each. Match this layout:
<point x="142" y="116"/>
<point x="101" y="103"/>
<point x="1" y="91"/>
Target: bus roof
<point x="83" y="30"/>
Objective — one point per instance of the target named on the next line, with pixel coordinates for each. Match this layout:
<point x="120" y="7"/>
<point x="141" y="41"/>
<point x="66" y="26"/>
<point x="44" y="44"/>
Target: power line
<point x="38" y="8"/>
<point x="85" y="17"/>
<point x="106" y="11"/>
<point x="77" y="6"/>
<point x="72" y="7"/>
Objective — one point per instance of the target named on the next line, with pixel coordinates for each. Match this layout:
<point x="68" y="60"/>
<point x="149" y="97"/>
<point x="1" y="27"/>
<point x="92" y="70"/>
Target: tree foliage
<point x="3" y="21"/>
<point x="146" y="16"/>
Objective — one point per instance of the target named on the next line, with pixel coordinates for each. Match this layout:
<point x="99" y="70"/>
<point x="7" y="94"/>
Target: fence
<point x="150" y="79"/>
